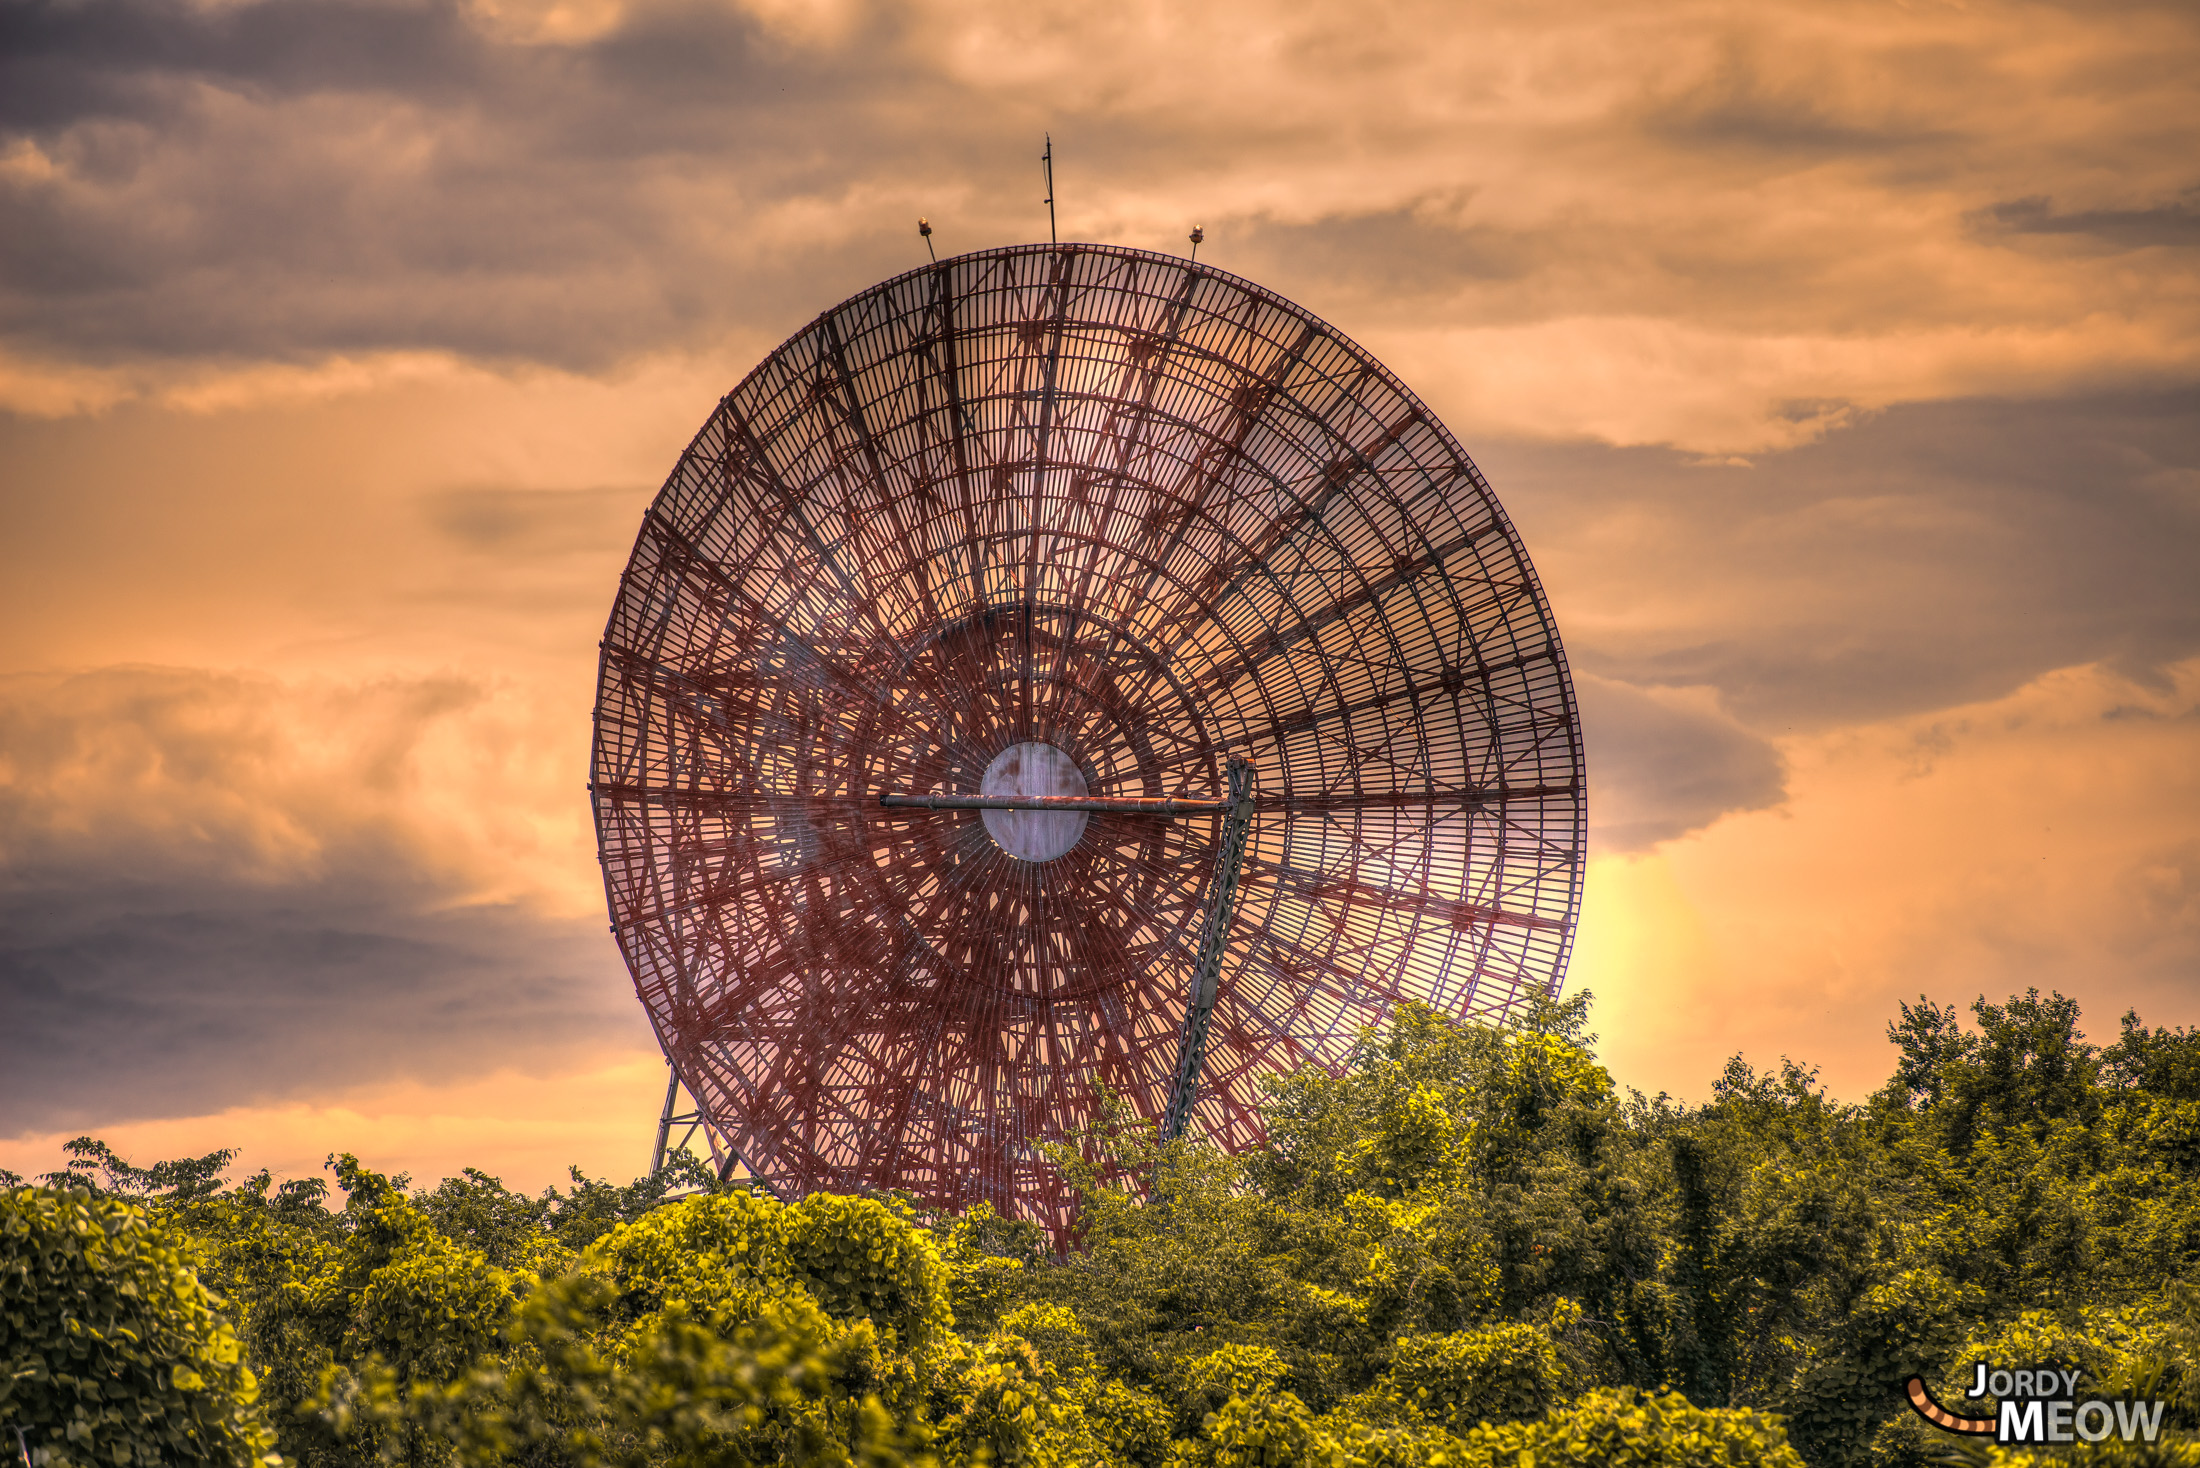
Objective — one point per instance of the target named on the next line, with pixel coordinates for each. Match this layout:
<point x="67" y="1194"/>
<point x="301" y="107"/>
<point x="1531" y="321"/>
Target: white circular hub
<point x="1034" y="768"/>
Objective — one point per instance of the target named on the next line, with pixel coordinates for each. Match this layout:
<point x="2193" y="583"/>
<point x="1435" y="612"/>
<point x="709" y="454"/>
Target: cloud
<point x="1836" y="363"/>
<point x="1748" y="207"/>
<point x="532" y="524"/>
<point x="1837" y="101"/>
<point x="146" y="1000"/>
<point x="218" y="889"/>
<point x="1664" y="762"/>
<point x="2042" y="838"/>
<point x="283" y="182"/>
<point x="1922" y="557"/>
<point x="424" y="783"/>
<point x="2174" y="224"/>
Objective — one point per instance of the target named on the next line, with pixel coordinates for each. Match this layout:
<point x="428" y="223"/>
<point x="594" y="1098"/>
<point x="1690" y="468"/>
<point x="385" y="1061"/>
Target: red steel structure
<point x="1070" y="528"/>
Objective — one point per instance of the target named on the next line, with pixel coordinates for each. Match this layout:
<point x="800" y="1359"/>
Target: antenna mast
<point x="1047" y="158"/>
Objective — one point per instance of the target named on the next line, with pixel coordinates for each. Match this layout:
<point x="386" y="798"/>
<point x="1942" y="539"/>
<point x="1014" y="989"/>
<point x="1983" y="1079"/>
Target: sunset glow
<point x="1839" y="366"/>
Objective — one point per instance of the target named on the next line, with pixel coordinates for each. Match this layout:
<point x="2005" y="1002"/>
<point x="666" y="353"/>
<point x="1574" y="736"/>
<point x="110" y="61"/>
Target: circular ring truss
<point x="1068" y="520"/>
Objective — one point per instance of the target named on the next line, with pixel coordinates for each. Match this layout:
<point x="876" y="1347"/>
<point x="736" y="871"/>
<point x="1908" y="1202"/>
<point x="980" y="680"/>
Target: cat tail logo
<point x="1921" y="1401"/>
<point x="2039" y="1406"/>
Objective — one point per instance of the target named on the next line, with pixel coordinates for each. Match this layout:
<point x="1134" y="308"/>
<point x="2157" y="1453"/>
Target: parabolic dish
<point x="1075" y="520"/>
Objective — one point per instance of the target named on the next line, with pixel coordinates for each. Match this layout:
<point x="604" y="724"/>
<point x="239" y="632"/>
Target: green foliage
<point x="1130" y="1424"/>
<point x="781" y="1388"/>
<point x="93" y="1167"/>
<point x="510" y="1230"/>
<point x="2110" y="1454"/>
<point x="1604" y="1429"/>
<point x="1467" y="1248"/>
<point x="111" y="1351"/>
<point x="1004" y="1406"/>
<point x="1627" y="1429"/>
<point x="858" y="1259"/>
<point x="714" y="1256"/>
<point x="2164" y="1062"/>
<point x="594" y="1207"/>
<point x="1264" y="1429"/>
<point x="1210" y="1382"/>
<point x="1056" y="1334"/>
<point x="1500" y="1373"/>
<point x="1841" y="1389"/>
<point x="784" y="1387"/>
<point x="396" y="1290"/>
<point x="985" y="1256"/>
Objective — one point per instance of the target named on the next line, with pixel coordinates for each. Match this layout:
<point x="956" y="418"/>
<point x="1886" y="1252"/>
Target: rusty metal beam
<point x="1214" y="938"/>
<point x="1119" y="805"/>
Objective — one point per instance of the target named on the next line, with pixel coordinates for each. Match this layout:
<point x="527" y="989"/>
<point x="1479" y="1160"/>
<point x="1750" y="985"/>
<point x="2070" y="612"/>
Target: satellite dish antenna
<point x="963" y="642"/>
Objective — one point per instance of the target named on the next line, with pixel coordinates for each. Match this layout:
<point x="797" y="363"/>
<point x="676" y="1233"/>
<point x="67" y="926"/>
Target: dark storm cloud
<point x="209" y="898"/>
<point x="181" y="998"/>
<point x="276" y="180"/>
<point x="1929" y="555"/>
<point x="65" y="61"/>
<point x="1660" y="768"/>
<point x="1798" y="106"/>
<point x="288" y="179"/>
<point x="529" y="524"/>
<point x="2171" y="224"/>
<point x="1396" y="253"/>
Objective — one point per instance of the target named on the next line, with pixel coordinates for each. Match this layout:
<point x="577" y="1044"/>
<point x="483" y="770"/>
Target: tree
<point x="1468" y="1249"/>
<point x="111" y="1351"/>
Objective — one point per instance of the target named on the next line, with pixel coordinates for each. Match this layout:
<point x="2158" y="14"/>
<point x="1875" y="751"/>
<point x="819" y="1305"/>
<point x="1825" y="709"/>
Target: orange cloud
<point x="1835" y="361"/>
<point x="2042" y="839"/>
<point x="1644" y="223"/>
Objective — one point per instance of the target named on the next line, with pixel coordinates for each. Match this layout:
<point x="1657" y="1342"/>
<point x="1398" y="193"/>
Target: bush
<point x="1624" y="1429"/>
<point x="986" y="1256"/>
<point x="1852" y="1382"/>
<point x="1208" y="1382"/>
<point x="1265" y="1430"/>
<point x="859" y="1261"/>
<point x="1055" y="1333"/>
<point x="784" y="1387"/>
<point x="1004" y="1409"/>
<point x="715" y="1255"/>
<point x="110" y="1350"/>
<point x="1130" y="1422"/>
<point x="1500" y="1373"/>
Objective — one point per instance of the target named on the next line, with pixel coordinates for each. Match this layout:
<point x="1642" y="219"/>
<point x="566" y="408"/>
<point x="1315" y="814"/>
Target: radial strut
<point x="1120" y="804"/>
<point x="1214" y="939"/>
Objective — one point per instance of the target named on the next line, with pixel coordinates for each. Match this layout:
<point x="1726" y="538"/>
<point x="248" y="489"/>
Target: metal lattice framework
<point x="1155" y="518"/>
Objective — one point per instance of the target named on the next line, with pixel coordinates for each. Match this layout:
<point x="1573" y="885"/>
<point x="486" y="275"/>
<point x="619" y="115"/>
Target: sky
<point x="1839" y="364"/>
